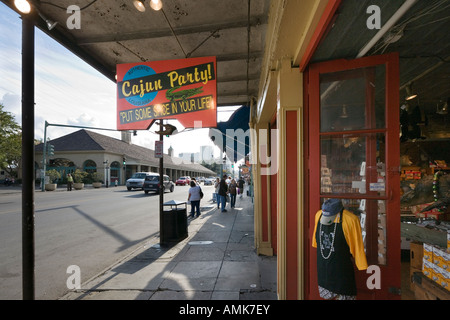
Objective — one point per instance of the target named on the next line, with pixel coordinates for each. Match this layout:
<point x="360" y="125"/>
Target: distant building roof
<point x="84" y="140"/>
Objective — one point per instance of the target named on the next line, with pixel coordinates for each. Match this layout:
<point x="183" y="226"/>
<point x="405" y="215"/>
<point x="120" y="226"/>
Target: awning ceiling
<point x="423" y="44"/>
<point x="114" y="32"/>
<point x="232" y="136"/>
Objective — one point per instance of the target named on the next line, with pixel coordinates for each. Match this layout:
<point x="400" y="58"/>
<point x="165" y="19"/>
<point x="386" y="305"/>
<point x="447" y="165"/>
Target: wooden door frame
<point x="312" y="171"/>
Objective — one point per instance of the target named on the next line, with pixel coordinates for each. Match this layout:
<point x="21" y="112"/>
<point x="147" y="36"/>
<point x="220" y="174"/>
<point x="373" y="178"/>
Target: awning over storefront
<point x="233" y="136"/>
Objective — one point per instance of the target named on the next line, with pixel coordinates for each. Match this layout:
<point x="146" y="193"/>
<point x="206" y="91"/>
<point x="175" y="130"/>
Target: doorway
<point x="353" y="148"/>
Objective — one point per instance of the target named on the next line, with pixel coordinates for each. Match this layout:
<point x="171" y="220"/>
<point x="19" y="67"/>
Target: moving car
<point x="137" y="180"/>
<point x="151" y="183"/>
<point x="182" y="181"/>
<point x="209" y="181"/>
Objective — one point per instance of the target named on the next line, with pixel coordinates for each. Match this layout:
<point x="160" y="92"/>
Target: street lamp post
<point x="28" y="175"/>
<point x="106" y="174"/>
<point x="161" y="185"/>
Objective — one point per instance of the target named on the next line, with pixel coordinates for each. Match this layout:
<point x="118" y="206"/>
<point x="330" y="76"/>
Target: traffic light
<point x="124" y="161"/>
<point x="50" y="150"/>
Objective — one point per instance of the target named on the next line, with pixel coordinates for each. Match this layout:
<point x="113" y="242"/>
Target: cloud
<point x="12" y="103"/>
<point x="83" y="120"/>
<point x="70" y="92"/>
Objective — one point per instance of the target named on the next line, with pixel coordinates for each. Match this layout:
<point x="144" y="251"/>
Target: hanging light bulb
<point x="156" y="4"/>
<point x="344" y="114"/>
<point x="23" y="6"/>
<point x="444" y="109"/>
<point x="50" y="23"/>
<point x="139" y="5"/>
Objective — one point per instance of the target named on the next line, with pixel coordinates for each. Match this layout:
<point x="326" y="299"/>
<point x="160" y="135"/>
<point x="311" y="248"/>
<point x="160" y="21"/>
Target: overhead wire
<point x="397" y="30"/>
<point x="62" y="8"/>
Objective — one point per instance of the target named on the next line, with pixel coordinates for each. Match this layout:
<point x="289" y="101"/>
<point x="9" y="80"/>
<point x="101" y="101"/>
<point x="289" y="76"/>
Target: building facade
<point x="326" y="125"/>
<point x="114" y="160"/>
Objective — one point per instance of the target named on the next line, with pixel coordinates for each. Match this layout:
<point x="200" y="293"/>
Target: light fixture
<point x="409" y="92"/>
<point x="156" y="4"/>
<point x="139" y="5"/>
<point x="50" y="23"/>
<point x="344" y="114"/>
<point x="23" y="6"/>
<point x="444" y="109"/>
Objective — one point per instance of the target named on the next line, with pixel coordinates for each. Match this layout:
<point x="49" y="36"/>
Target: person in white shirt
<point x="194" y="197"/>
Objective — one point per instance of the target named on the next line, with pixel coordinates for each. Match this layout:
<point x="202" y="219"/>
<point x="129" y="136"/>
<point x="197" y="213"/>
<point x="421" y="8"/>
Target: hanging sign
<point x="159" y="149"/>
<point x="182" y="89"/>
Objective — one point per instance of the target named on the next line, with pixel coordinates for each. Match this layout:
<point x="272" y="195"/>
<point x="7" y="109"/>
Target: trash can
<point x="174" y="221"/>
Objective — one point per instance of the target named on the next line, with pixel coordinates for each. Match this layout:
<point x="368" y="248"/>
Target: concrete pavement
<point x="217" y="261"/>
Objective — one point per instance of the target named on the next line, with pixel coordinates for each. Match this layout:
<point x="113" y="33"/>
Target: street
<point x="90" y="228"/>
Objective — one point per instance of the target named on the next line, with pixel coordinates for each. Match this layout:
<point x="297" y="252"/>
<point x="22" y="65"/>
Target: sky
<point x="65" y="95"/>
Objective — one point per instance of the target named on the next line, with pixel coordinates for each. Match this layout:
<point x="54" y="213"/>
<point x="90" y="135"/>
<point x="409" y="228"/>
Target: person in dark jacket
<point x="241" y="186"/>
<point x="222" y="194"/>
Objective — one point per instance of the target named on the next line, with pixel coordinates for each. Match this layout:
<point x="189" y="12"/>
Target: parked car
<point x="151" y="183"/>
<point x="200" y="179"/>
<point x="137" y="180"/>
<point x="209" y="181"/>
<point x="182" y="181"/>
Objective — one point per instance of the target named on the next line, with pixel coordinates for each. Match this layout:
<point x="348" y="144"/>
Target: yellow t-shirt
<point x="352" y="232"/>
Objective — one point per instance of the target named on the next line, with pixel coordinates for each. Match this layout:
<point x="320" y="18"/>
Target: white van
<point x="137" y="180"/>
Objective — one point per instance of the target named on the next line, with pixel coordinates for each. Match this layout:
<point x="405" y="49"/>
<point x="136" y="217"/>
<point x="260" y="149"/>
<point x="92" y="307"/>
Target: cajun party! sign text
<point x="183" y="89"/>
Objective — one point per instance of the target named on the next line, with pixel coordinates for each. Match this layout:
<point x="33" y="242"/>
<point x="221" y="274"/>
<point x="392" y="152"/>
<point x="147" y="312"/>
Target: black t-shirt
<point x="223" y="188"/>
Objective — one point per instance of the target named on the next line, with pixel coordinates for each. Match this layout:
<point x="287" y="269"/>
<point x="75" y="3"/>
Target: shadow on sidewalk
<point x="217" y="261"/>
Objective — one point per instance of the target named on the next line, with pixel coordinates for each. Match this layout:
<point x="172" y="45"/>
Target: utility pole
<point x="161" y="184"/>
<point x="164" y="129"/>
<point x="28" y="179"/>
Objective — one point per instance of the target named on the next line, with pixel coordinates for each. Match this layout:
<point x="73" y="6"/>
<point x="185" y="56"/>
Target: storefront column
<point x="263" y="241"/>
<point x="290" y="182"/>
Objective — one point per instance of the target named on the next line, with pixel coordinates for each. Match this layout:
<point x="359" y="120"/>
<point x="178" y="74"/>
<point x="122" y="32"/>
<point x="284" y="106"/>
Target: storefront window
<point x="352" y="99"/>
<point x="352" y="164"/>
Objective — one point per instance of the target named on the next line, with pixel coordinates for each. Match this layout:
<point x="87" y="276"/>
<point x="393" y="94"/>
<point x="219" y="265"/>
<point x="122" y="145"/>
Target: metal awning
<point x="233" y="136"/>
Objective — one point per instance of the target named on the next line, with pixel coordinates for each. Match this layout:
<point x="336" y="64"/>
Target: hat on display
<point x="330" y="208"/>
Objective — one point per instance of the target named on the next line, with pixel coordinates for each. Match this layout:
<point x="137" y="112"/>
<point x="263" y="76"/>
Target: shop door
<point x="353" y="151"/>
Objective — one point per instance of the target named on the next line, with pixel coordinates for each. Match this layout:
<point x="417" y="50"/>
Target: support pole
<point x="28" y="174"/>
<point x="161" y="187"/>
<point x="44" y="158"/>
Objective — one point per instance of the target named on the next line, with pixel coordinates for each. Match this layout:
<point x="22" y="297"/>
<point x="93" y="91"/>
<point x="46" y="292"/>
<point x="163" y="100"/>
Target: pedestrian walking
<point x="232" y="190"/>
<point x="69" y="182"/>
<point x="216" y="194"/>
<point x="194" y="197"/>
<point x="222" y="193"/>
<point x="241" y="187"/>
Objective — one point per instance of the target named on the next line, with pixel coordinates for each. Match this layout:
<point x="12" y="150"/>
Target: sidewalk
<point x="217" y="261"/>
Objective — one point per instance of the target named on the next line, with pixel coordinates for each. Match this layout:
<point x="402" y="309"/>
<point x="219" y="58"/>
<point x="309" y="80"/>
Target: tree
<point x="213" y="167"/>
<point x="10" y="142"/>
<point x="79" y="175"/>
<point x="53" y="175"/>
